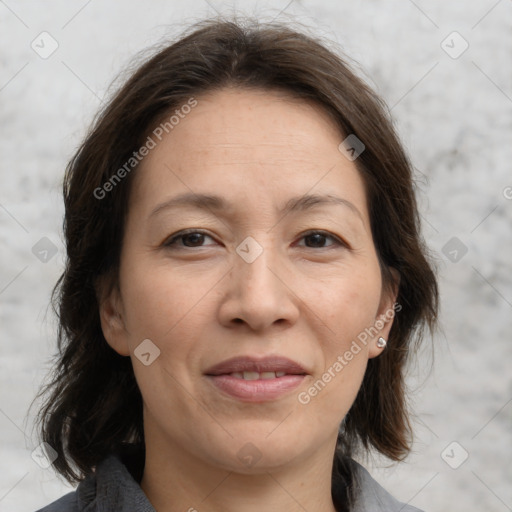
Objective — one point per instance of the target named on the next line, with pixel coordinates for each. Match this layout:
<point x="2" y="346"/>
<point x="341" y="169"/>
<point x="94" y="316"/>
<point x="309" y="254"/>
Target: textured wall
<point x="452" y="106"/>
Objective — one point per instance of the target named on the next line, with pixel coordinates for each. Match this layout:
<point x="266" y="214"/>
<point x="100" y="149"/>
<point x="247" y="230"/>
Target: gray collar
<point x="373" y="497"/>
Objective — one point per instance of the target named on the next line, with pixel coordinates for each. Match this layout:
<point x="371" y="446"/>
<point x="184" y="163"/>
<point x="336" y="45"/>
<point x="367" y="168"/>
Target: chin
<point x="256" y="454"/>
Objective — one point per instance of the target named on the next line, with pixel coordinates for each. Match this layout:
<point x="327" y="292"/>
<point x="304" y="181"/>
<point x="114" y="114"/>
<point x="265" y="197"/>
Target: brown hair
<point x="93" y="402"/>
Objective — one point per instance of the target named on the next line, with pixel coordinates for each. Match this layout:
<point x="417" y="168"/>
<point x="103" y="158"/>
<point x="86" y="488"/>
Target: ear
<point x="112" y="317"/>
<point x="386" y="312"/>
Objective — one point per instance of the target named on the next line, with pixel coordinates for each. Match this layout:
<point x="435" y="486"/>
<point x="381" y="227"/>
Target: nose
<point x="259" y="294"/>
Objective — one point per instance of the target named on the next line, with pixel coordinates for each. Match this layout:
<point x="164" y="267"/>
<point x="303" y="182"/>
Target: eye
<point x="189" y="238"/>
<point x="317" y="239"/>
<point x="194" y="238"/>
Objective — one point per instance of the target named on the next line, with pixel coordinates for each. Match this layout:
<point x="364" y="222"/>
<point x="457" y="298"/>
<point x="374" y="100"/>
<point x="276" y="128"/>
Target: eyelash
<point x="171" y="241"/>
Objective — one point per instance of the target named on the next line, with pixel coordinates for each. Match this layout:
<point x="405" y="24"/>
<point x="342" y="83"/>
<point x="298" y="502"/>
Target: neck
<point x="174" y="480"/>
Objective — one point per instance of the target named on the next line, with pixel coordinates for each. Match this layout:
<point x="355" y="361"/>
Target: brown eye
<point x="317" y="240"/>
<point x="193" y="239"/>
<point x="188" y="239"/>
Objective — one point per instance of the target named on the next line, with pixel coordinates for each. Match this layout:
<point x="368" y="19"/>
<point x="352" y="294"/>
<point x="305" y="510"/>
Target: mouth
<point x="251" y="368"/>
<point x="256" y="375"/>
<point x="250" y="379"/>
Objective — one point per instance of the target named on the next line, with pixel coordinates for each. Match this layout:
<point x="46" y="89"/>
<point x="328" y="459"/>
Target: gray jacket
<point x="114" y="487"/>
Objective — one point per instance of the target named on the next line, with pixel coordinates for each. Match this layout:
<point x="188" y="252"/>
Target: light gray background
<point x="454" y="117"/>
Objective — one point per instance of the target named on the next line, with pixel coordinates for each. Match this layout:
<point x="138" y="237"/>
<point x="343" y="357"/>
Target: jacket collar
<point x="115" y="485"/>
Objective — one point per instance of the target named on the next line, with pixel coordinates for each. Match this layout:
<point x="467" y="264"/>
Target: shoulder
<point x="114" y="485"/>
<point x="371" y="496"/>
<point x="68" y="503"/>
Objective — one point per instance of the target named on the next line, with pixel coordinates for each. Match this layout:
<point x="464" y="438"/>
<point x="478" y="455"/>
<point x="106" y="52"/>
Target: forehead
<point x="250" y="146"/>
<point x="256" y="123"/>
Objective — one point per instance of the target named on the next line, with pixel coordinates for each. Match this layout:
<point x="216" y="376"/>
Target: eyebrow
<point x="218" y="204"/>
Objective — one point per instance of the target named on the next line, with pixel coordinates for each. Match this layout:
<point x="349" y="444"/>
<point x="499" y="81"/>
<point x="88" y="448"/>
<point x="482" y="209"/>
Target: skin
<point x="200" y="303"/>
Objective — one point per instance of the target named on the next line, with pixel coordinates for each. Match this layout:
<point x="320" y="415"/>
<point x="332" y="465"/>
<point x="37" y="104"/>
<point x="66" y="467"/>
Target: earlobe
<point x="386" y="314"/>
<point x="112" y="321"/>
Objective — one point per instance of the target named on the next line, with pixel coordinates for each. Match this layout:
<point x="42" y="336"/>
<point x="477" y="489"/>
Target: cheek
<point x="350" y="304"/>
<point x="350" y="307"/>
<point x="171" y="307"/>
<point x="158" y="299"/>
<point x="164" y="306"/>
<point x="333" y="390"/>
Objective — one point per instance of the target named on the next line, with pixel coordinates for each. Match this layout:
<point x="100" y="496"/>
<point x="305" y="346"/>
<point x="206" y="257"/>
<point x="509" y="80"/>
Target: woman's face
<point x="286" y="282"/>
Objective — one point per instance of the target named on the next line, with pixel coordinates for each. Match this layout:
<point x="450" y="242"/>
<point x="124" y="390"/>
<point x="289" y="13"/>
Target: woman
<point x="245" y="278"/>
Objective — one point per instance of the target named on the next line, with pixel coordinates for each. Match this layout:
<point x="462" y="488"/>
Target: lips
<point x="249" y="366"/>
<point x="250" y="379"/>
